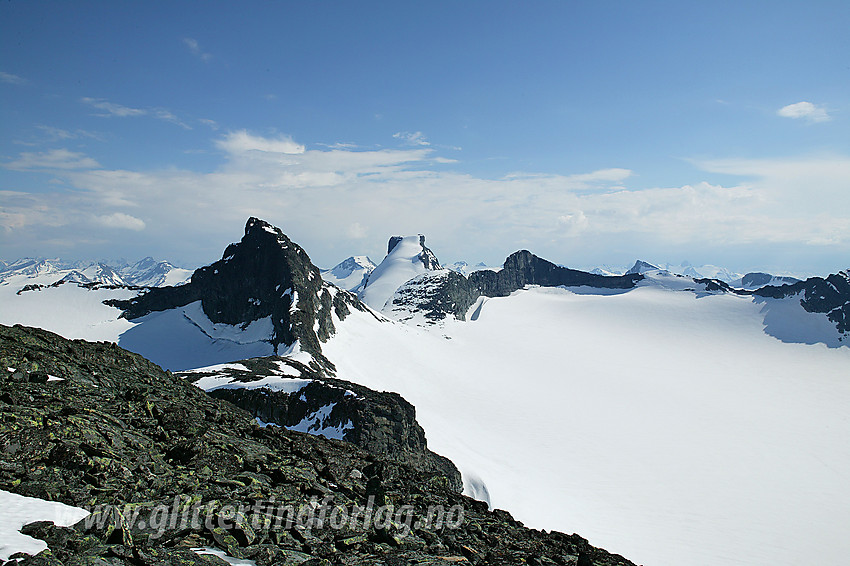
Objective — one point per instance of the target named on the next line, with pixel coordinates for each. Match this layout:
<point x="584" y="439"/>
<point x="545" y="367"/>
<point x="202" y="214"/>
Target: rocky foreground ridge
<point x="115" y="430"/>
<point x="382" y="423"/>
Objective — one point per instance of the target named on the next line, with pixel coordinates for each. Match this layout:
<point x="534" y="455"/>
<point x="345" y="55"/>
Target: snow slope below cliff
<point x="661" y="424"/>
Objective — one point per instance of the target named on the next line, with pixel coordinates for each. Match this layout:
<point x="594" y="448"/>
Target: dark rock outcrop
<point x="379" y="422"/>
<point x="435" y="295"/>
<point x="446" y="292"/>
<point x="524" y="268"/>
<point x="264" y="275"/>
<point x="830" y="296"/>
<point x="175" y="469"/>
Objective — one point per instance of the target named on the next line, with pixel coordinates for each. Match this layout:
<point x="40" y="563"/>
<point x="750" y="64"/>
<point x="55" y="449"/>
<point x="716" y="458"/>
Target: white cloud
<point x="574" y="223"/>
<point x="241" y="142"/>
<point x="337" y="202"/>
<point x="412" y="138"/>
<point x="163" y="114"/>
<point x="613" y="175"/>
<point x="356" y="231"/>
<point x="195" y="49"/>
<point x="58" y="134"/>
<point x="53" y="159"/>
<point x="121" y="221"/>
<point x="805" y="110"/>
<point x="207" y="122"/>
<point x="11" y="79"/>
<point x="112" y="110"/>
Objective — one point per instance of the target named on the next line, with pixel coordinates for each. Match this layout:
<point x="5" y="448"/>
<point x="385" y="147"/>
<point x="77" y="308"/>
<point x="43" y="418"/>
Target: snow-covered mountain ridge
<point x="146" y="272"/>
<point x="251" y="306"/>
<point x="351" y="273"/>
<point x="428" y="296"/>
<point x="750" y="280"/>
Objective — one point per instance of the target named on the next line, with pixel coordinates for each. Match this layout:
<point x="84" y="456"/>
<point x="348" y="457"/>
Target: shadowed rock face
<point x="264" y="275"/>
<point x="524" y="268"/>
<point x="119" y="431"/>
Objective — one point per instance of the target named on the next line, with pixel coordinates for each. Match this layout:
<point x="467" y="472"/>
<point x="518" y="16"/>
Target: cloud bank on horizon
<point x="340" y="201"/>
<point x="168" y="148"/>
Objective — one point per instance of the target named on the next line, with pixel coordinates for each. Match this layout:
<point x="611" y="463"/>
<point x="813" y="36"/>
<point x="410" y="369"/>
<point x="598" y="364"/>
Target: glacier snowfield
<point x="667" y="428"/>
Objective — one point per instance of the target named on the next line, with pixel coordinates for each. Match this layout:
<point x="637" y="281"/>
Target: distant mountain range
<point x="146" y="272"/>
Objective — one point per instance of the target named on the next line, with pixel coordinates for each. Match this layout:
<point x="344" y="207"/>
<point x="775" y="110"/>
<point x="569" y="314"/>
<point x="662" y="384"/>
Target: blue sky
<point x="589" y="132"/>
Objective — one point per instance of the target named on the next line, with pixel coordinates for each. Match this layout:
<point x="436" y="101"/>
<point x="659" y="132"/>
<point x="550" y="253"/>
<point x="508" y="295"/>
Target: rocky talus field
<point x="169" y="469"/>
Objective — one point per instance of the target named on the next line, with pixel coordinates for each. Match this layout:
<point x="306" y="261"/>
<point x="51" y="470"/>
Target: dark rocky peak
<point x="264" y="275"/>
<point x="524" y="268"/>
<point x="641" y="266"/>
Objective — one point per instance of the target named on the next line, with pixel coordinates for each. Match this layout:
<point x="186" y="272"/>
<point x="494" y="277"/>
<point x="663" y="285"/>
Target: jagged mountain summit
<point x="685" y="268"/>
<point x="226" y="312"/>
<point x="641" y="267"/>
<point x="34" y="266"/>
<point x="96" y="274"/>
<point x="264" y="289"/>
